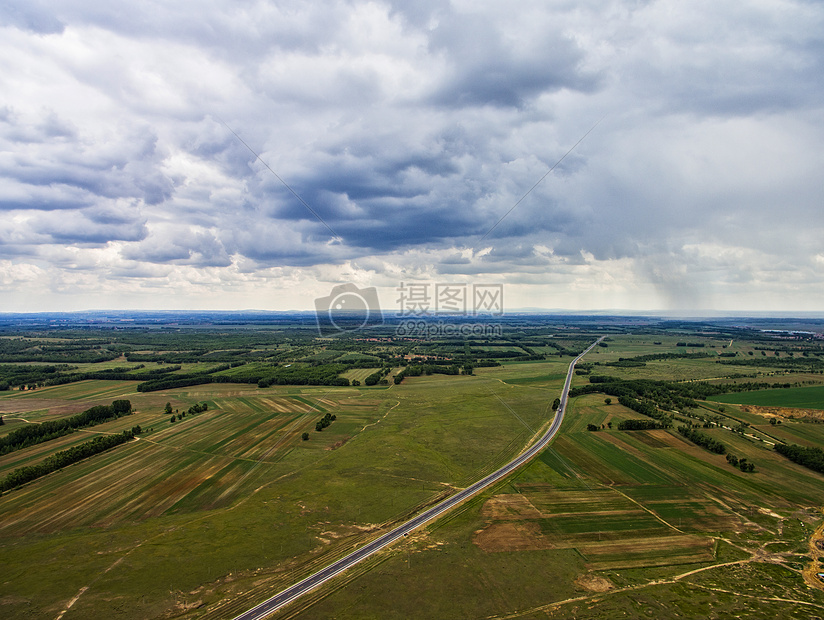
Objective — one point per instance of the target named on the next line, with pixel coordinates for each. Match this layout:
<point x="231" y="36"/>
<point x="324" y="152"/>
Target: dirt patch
<point x="511" y="536"/>
<point x="639" y="546"/>
<point x="646" y="552"/>
<point x="338" y="444"/>
<point x="658" y="438"/>
<point x="813" y="569"/>
<point x="769" y="513"/>
<point x="510" y="506"/>
<point x="784" y="412"/>
<point x="593" y="583"/>
<point x="189" y="606"/>
<point x="56" y="408"/>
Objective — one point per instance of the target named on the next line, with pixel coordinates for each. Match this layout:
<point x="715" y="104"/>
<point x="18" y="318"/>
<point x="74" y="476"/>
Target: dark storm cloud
<point x="485" y="69"/>
<point x="91" y="226"/>
<point x="411" y="129"/>
<point x="51" y="154"/>
<point x="182" y="247"/>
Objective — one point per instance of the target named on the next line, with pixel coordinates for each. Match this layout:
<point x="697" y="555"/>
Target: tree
<point x="168" y="409"/>
<point x="607" y="400"/>
<point x="1" y="421"/>
<point x="555" y="404"/>
<point x="609" y="424"/>
<point x="173" y="419"/>
<point x="592" y="427"/>
<point x="745" y="466"/>
<point x="305" y="436"/>
<point x="121" y="407"/>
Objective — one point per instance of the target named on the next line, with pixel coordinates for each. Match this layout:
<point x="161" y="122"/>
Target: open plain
<point x="206" y="514"/>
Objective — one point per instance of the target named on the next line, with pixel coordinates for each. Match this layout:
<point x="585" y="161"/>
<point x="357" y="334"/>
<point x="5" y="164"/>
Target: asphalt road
<point x="313" y="581"/>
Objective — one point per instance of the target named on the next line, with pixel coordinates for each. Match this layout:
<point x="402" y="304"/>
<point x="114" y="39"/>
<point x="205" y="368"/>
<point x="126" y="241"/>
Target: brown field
<point x="659" y="439"/>
<point x="608" y="528"/>
<point x="200" y="462"/>
<point x="131" y="483"/>
<point x="512" y="536"/>
<point x="512" y="506"/>
<point x="636" y="553"/>
<point x="55" y="408"/>
<point x="784" y="412"/>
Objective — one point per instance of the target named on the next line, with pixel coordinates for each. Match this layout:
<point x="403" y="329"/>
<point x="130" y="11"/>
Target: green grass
<point x="376" y="462"/>
<point x="358" y="374"/>
<point x="222" y="509"/>
<point x="800" y="397"/>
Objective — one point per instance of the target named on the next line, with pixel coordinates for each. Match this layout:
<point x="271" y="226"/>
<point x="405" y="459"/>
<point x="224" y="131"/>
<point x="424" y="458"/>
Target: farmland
<point x="206" y="514"/>
<point x="801" y="397"/>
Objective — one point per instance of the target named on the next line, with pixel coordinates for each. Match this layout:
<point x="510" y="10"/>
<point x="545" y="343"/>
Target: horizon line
<point x="396" y="312"/>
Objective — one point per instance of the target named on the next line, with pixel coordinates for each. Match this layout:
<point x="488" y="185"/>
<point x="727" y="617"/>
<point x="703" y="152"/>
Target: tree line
<point x="715" y="446"/>
<point x="811" y="458"/>
<point x="666" y="394"/>
<point x="416" y="370"/>
<point x="377" y="377"/>
<point x="113" y="374"/>
<point x="703" y="440"/>
<point x="39" y="433"/>
<point x="61" y="459"/>
<point x="196" y="408"/>
<point x="324" y="374"/>
<point x="639" y="425"/>
<point x="21" y="350"/>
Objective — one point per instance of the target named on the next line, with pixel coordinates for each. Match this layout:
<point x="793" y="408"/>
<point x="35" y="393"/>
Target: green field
<point x="800" y="397"/>
<point x="178" y="484"/>
<point x="205" y="516"/>
<point x="609" y="510"/>
<point x="359" y="374"/>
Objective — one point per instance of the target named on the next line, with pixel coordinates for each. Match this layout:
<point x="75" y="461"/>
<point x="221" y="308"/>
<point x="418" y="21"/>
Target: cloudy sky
<point x="409" y="129"/>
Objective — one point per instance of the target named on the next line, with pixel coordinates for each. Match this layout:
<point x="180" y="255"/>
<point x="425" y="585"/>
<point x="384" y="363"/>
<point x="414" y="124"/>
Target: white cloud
<point x="411" y="129"/>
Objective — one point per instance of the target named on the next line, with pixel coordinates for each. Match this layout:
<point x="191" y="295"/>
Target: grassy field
<point x="358" y="374"/>
<point x="800" y="397"/>
<point x="241" y="470"/>
<point x="599" y="514"/>
<point x="207" y="515"/>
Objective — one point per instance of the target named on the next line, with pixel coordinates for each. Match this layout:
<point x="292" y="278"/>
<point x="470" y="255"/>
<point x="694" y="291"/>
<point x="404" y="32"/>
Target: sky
<point x="229" y="155"/>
